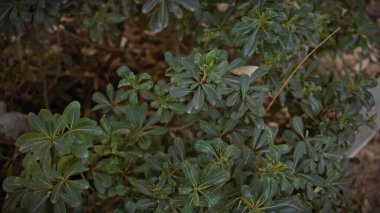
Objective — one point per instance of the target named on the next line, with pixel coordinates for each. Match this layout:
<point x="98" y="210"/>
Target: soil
<point x="365" y="179"/>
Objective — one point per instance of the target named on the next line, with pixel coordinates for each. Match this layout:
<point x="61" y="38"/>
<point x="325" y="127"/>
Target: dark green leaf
<point x="250" y="45"/>
<point x="209" y="128"/>
<point x="297" y="125"/>
<point x="149" y="5"/>
<point x="299" y="151"/>
<point x="204" y="147"/>
<point x="313" y="179"/>
<point x="191" y="173"/>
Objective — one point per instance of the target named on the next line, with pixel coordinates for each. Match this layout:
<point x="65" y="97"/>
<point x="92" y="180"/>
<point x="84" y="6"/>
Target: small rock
<point x="12" y="124"/>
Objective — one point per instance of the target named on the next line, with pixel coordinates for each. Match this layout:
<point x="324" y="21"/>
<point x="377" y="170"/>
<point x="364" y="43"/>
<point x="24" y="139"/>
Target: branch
<point x="297" y="68"/>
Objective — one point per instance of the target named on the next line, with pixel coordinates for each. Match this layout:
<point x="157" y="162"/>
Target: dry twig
<point x="297" y="68"/>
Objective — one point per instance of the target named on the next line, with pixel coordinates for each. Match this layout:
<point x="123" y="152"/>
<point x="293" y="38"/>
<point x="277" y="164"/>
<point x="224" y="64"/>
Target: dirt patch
<point x="365" y="178"/>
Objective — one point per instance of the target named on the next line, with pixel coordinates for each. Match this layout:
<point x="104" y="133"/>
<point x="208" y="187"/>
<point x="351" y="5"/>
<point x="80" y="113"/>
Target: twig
<point x="297" y="68"/>
<point x="73" y="35"/>
<point x="20" y="54"/>
<point x="45" y="93"/>
<point x="58" y="64"/>
<point x="179" y="128"/>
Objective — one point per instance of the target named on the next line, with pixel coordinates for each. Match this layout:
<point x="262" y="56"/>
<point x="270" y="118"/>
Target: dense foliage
<point x="201" y="140"/>
<point x="80" y="41"/>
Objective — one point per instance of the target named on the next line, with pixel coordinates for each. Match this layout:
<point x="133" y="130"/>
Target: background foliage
<point x="197" y="138"/>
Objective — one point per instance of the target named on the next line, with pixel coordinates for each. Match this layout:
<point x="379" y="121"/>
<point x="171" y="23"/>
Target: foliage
<point x="200" y="141"/>
<point x="16" y="15"/>
<point x="49" y="35"/>
<point x="231" y="160"/>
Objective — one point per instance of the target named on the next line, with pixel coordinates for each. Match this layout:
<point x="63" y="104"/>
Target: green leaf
<point x="100" y="98"/>
<point x="144" y="143"/>
<point x="41" y="180"/>
<point x="285" y="206"/>
<point x="60" y="207"/>
<point x="71" y="114"/>
<point x="32" y="141"/>
<point x="210" y="93"/>
<point x="232" y="99"/>
<point x="313" y="179"/>
<point x="229" y="125"/>
<point x="179" y="92"/>
<point x="244" y="85"/>
<point x="170" y="60"/>
<point x="205" y="147"/>
<point x="198" y="99"/>
<point x="209" y="128"/>
<point x="316" y="106"/>
<point x="269" y="188"/>
<point x="297" y="125"/>
<point x="188" y="208"/>
<point x="74" y="169"/>
<point x="149" y="5"/>
<point x="78" y="184"/>
<point x="185" y="190"/>
<point x="79" y="150"/>
<point x="174" y="8"/>
<point x="195" y="198"/>
<point x="216" y="178"/>
<point x="232" y="151"/>
<point x="102" y="149"/>
<point x="56" y="193"/>
<point x="110" y="91"/>
<point x="179" y="146"/>
<point x="246" y="191"/>
<point x="141" y="186"/>
<point x="285" y="184"/>
<point x="144" y="204"/>
<point x="123" y="71"/>
<point x="191" y="173"/>
<point x="40" y="202"/>
<point x="191" y="68"/>
<point x="102" y="181"/>
<point x="154" y="23"/>
<point x="153" y="162"/>
<point x="61" y="146"/>
<point x="191" y="5"/>
<point x="163" y="15"/>
<point x="71" y="198"/>
<point x="12" y="183"/>
<point x="86" y="126"/>
<point x="156" y="131"/>
<point x="311" y="152"/>
<point x="37" y="124"/>
<point x="45" y="157"/>
<point x="141" y="114"/>
<point x="177" y="108"/>
<point x="113" y="18"/>
<point x="250" y="45"/>
<point x="299" y="151"/>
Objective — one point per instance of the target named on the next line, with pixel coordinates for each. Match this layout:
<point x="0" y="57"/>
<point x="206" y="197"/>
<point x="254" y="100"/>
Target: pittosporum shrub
<point x="204" y="139"/>
<point x="201" y="142"/>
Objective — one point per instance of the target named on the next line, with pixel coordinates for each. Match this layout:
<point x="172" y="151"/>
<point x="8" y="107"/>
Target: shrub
<point x="203" y="141"/>
<point x="221" y="155"/>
